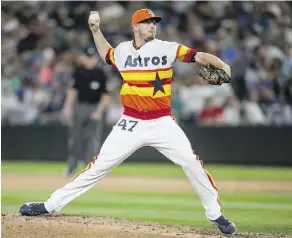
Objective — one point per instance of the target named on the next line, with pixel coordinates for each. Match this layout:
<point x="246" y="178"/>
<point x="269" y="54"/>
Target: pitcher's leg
<point x="119" y="145"/>
<point x="171" y="141"/>
<point x="204" y="184"/>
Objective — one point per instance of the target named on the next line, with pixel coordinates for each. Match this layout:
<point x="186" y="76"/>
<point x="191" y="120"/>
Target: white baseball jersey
<point x="147" y="72"/>
<point x="147" y="121"/>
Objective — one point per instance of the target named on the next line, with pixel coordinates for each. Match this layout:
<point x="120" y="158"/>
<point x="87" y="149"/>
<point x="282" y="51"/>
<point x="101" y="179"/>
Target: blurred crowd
<point x="42" y="43"/>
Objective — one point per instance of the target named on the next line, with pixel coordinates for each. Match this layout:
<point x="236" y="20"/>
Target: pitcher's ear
<point x="135" y="27"/>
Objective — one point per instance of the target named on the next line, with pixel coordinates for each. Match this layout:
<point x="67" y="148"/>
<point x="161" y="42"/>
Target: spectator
<point x="211" y="114"/>
<point x="41" y="39"/>
<point x="9" y="103"/>
<point x="251" y="112"/>
<point x="232" y="111"/>
<point x="33" y="99"/>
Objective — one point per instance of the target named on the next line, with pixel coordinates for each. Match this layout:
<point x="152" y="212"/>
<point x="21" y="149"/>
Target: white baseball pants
<point x="128" y="135"/>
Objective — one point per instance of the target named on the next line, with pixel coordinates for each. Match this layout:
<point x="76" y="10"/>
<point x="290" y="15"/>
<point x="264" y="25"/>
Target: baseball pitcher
<point x="146" y="66"/>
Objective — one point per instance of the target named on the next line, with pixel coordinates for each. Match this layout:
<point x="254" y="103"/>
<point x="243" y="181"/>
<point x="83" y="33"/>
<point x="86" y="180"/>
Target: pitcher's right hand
<point x="93" y="21"/>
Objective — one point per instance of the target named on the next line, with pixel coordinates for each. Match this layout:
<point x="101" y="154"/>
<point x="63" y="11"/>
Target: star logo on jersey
<point x="158" y="84"/>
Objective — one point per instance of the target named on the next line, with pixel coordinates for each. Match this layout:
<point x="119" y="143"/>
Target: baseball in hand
<point x="94" y="17"/>
<point x="93" y="21"/>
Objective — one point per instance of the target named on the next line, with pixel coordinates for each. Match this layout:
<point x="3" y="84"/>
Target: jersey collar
<point x="135" y="45"/>
<point x="138" y="47"/>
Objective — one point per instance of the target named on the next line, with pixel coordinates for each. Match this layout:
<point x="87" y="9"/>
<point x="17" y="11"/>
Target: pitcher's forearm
<point x="101" y="44"/>
<point x="206" y="58"/>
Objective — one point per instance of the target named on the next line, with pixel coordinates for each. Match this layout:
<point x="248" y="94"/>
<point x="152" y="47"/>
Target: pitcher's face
<point x="146" y="29"/>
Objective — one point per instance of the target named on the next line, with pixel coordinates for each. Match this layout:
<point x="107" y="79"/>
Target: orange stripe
<point x="211" y="179"/>
<point x="95" y="158"/>
<point x="219" y="201"/>
<point x="198" y="158"/>
<point x="82" y="171"/>
<point x="145" y="103"/>
<point x="177" y="51"/>
<point x="213" y="184"/>
<point x="87" y="167"/>
<point x="149" y="70"/>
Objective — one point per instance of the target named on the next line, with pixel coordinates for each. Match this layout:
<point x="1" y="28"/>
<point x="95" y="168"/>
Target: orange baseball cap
<point x="144" y="14"/>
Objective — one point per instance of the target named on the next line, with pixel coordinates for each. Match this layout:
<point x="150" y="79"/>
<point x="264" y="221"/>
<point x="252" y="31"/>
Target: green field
<point x="252" y="212"/>
<point x="159" y="170"/>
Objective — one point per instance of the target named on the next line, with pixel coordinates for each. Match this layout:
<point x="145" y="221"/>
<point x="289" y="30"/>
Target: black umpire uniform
<point x="86" y="133"/>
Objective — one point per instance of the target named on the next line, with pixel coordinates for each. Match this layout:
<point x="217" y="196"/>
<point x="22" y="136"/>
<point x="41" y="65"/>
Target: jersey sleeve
<point x="110" y="58"/>
<point x="184" y="54"/>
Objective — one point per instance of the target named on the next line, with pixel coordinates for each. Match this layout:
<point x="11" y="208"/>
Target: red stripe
<point x="115" y="67"/>
<point x="146" y="85"/>
<point x="189" y="56"/>
<point x="146" y="115"/>
<point x="112" y="63"/>
<point x="141" y="71"/>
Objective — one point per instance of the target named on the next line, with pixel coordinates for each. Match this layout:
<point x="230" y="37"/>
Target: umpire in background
<point x="85" y="105"/>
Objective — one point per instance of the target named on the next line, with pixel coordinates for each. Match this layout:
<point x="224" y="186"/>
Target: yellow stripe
<point x="133" y="90"/>
<point x="145" y="76"/>
<point x="112" y="55"/>
<point x="211" y="179"/>
<point x="183" y="50"/>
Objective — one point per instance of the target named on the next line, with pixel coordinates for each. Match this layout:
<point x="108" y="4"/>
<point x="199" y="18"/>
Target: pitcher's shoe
<point x="225" y="226"/>
<point x="33" y="209"/>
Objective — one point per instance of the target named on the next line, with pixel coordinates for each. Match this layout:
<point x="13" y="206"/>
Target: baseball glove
<point x="213" y="75"/>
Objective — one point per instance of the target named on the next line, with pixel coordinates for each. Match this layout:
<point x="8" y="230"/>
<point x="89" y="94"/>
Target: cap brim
<point x="157" y="19"/>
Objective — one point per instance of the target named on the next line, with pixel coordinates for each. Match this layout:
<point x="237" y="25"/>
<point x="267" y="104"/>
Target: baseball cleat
<point x="33" y="209"/>
<point x="225" y="226"/>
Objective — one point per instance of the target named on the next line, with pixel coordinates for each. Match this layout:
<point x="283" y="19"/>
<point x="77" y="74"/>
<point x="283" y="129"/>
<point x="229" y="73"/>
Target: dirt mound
<point x="15" y="226"/>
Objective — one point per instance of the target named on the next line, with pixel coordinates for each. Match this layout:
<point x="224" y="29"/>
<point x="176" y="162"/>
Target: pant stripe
<point x="213" y="184"/>
<point x="87" y="168"/>
<point x="211" y="179"/>
<point x="209" y="176"/>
